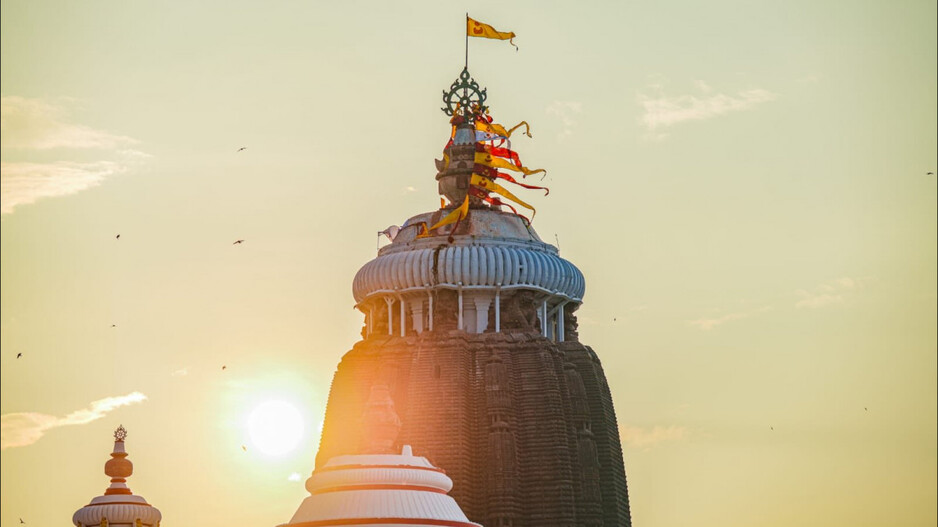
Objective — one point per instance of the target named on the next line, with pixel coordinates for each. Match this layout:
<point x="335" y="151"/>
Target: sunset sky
<point x="743" y="184"/>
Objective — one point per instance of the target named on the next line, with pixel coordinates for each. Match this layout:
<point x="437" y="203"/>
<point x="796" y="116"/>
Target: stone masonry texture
<point x="523" y="425"/>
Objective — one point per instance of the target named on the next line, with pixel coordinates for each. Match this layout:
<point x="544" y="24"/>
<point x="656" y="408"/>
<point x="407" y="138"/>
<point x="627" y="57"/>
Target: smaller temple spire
<point x="119" y="468"/>
<point x="118" y="506"/>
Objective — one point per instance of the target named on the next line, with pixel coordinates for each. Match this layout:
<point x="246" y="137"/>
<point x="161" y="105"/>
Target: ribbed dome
<point x="499" y="250"/>
<point x="119" y="511"/>
<point x="387" y="490"/>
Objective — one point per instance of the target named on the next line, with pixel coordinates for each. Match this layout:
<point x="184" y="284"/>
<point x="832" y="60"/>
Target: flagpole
<point x="467" y="40"/>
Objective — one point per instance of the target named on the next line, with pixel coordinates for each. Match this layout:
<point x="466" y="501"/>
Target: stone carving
<point x="570" y="324"/>
<point x="446" y="310"/>
<point x="380" y="322"/>
<point x="520" y="312"/>
<point x="380" y="422"/>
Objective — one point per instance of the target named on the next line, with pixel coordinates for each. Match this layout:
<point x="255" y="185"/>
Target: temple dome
<point x="118" y="506"/>
<point x="390" y="490"/>
<point x="491" y="249"/>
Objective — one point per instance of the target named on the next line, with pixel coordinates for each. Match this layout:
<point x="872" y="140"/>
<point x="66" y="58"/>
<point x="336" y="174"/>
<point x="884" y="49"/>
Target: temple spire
<point x="119" y="468"/>
<point x="118" y="506"/>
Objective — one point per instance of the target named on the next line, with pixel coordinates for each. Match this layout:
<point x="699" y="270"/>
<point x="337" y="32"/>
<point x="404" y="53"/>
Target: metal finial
<point x="463" y="94"/>
<point x="120" y="433"/>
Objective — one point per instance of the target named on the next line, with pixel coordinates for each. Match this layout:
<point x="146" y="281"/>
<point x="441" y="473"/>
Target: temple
<point x="118" y="506"/>
<point x="469" y="355"/>
<point x="470" y="351"/>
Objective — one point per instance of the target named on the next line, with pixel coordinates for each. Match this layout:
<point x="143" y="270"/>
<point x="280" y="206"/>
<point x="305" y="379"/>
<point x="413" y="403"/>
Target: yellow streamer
<point x="497" y="129"/>
<point x="454" y="216"/>
<point x="484" y="158"/>
<point x="488" y="184"/>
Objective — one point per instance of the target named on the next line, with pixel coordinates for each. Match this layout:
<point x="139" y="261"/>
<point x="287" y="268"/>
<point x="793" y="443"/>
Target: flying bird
<point x="244" y="448"/>
<point x="237" y="242"/>
<point x="771" y="428"/>
<point x="21" y="520"/>
<point x="18" y="355"/>
<point x="865" y="409"/>
<point x="113" y="325"/>
<point x="118" y="237"/>
<point x="224" y="368"/>
<point x="930" y="174"/>
<point x="242" y="148"/>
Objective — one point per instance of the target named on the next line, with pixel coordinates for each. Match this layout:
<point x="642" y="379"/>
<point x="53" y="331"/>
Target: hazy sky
<point x="743" y="184"/>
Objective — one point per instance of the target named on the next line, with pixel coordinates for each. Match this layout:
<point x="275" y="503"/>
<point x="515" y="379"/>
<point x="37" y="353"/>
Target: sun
<point x="275" y="427"/>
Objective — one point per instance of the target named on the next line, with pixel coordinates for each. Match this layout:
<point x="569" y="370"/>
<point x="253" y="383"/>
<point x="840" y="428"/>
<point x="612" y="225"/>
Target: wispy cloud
<point x="662" y="111"/>
<point x="294" y="476"/>
<point x="846" y="282"/>
<point x="815" y="300"/>
<point x="28" y="126"/>
<point x="566" y="112"/>
<point x="181" y="372"/>
<point x="24" y="183"/>
<point x="702" y="86"/>
<point x="830" y="293"/>
<point x="39" y="125"/>
<point x="646" y="438"/>
<point x="25" y="428"/>
<point x="708" y="323"/>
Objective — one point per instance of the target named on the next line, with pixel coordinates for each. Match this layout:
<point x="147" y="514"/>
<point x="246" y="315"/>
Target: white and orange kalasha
<point x="386" y="490"/>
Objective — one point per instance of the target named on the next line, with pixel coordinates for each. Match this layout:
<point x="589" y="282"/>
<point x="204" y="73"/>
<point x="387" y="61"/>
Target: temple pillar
<point x="498" y="311"/>
<point x="430" y="310"/>
<point x="482" y="302"/>
<point x="560" y="334"/>
<point x="469" y="314"/>
<point x="416" y="310"/>
<point x="460" y="321"/>
<point x="388" y="300"/>
<point x="545" y="320"/>
<point x="403" y="317"/>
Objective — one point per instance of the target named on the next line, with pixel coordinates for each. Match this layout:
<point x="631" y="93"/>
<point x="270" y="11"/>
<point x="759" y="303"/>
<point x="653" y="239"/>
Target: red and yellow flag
<point x="484" y="158"/>
<point x="492" y="200"/>
<point x="491" y="173"/>
<point x="507" y="153"/>
<point x="457" y="215"/>
<point x="499" y="130"/>
<point x="474" y="28"/>
<point x="491" y="186"/>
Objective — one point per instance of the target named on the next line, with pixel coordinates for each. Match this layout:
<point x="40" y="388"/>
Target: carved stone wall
<point x="524" y="426"/>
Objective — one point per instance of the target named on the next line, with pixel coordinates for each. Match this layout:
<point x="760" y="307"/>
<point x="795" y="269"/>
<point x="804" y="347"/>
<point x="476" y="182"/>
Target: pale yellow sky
<point x="743" y="185"/>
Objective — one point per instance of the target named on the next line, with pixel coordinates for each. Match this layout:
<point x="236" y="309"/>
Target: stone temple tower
<point x="470" y="354"/>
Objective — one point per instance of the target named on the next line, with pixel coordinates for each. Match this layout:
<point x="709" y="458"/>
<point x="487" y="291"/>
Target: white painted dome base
<point x="379" y="490"/>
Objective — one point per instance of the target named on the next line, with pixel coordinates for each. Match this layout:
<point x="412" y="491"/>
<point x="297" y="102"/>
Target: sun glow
<point x="275" y="427"/>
